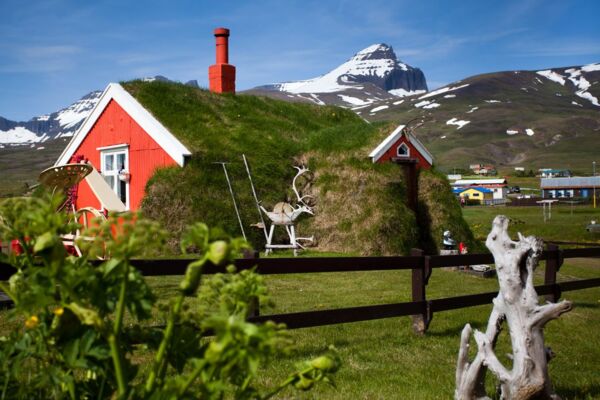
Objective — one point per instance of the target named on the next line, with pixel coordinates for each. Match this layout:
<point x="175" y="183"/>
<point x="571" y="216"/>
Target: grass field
<point x="564" y="225"/>
<point x="384" y="359"/>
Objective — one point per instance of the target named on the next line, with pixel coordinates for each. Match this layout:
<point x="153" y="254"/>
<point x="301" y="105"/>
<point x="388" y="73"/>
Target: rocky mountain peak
<point x="379" y="51"/>
<point x="373" y="69"/>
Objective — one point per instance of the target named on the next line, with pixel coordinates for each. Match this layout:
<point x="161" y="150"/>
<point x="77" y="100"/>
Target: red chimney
<point x="221" y="75"/>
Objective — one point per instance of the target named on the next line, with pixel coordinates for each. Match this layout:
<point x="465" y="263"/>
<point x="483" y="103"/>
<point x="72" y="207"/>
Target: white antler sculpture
<point x="284" y="214"/>
<point x="301" y="170"/>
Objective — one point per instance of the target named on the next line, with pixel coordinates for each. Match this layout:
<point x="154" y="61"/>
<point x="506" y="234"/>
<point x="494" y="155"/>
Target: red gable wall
<point x="116" y="127"/>
<point x="414" y="153"/>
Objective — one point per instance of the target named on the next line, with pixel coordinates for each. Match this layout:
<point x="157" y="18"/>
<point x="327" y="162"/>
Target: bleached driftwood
<point x="517" y="305"/>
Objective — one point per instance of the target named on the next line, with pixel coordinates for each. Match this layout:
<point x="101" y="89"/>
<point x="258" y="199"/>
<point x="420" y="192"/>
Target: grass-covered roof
<point x="360" y="206"/>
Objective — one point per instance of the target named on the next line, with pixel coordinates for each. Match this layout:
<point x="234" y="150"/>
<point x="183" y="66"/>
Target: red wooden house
<point x="126" y="144"/>
<point x="403" y="145"/>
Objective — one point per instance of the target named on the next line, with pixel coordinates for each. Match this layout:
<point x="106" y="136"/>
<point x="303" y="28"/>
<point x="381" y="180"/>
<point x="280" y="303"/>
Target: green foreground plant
<point x="73" y="341"/>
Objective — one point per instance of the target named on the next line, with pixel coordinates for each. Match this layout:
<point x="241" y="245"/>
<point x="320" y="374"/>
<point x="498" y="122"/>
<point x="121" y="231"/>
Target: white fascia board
<point x="422" y="149"/>
<point x="114" y="146"/>
<point x="385" y="145"/>
<point x="165" y="139"/>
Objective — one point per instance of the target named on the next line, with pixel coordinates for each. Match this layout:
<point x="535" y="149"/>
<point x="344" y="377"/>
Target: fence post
<point x="553" y="264"/>
<point x="420" y="276"/>
<point x="254" y="306"/>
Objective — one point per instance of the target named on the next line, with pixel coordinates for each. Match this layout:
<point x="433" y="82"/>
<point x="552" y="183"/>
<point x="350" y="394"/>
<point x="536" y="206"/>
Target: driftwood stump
<point x="517" y="305"/>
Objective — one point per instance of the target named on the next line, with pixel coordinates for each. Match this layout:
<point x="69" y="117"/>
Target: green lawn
<point x="383" y="359"/>
<point x="564" y="225"/>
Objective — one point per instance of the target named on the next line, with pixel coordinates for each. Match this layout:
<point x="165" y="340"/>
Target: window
<point x="403" y="150"/>
<point x="114" y="160"/>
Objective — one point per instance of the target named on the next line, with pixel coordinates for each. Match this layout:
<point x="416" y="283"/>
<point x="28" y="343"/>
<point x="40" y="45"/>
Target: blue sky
<point x="53" y="52"/>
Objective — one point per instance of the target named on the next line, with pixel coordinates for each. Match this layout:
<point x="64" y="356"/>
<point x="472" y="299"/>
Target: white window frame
<point x="115" y="150"/>
<point x="407" y="150"/>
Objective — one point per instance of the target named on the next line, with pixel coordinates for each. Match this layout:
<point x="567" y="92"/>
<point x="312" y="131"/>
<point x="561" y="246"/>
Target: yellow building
<point x="480" y="194"/>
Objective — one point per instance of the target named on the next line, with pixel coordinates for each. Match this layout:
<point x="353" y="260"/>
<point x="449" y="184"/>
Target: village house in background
<point x="483" y="169"/>
<point x="475" y="194"/>
<point x="577" y="186"/>
<point x="402" y="144"/>
<point x="554" y="173"/>
<point x="497" y="186"/>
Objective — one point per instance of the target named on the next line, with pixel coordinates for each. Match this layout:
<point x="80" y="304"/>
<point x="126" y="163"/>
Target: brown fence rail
<point x="421" y="265"/>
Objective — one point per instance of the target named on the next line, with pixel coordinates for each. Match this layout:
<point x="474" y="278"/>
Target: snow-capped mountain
<point x="373" y="74"/>
<point x="59" y="124"/>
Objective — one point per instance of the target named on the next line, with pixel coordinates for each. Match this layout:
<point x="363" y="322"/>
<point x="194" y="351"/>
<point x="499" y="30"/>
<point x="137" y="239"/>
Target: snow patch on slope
<point x="458" y="122"/>
<point x="582" y="84"/>
<point x="576" y="78"/>
<point x="18" y="135"/>
<point x="591" y="67"/>
<point x="443" y="90"/>
<point x="379" y="108"/>
<point x="403" y="93"/>
<point x="354" y="100"/>
<point x="553" y="76"/>
<point x="588" y="96"/>
<point x="422" y="103"/>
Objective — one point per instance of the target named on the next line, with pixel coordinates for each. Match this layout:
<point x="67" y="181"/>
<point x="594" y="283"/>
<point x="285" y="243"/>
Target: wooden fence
<point x="421" y="308"/>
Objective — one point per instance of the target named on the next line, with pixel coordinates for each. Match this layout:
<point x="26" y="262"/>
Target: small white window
<point x="114" y="160"/>
<point x="403" y="150"/>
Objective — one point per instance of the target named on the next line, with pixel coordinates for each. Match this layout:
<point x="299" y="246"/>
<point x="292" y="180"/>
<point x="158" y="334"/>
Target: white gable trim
<point x="165" y="139"/>
<point x="393" y="138"/>
<point x="385" y="145"/>
<point x="420" y="148"/>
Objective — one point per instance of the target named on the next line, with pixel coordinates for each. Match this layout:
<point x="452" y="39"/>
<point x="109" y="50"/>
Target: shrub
<point x="72" y="341"/>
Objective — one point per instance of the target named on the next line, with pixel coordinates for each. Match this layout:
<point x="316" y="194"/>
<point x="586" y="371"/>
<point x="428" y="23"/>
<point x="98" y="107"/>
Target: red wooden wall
<point x="414" y="153"/>
<point x="115" y="127"/>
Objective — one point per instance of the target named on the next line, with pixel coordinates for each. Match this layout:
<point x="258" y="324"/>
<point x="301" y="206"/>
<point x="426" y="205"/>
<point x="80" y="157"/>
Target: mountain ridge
<point x="539" y="118"/>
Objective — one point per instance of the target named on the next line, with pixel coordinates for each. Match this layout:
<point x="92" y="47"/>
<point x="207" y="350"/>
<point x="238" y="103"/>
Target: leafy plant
<point x="81" y="322"/>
